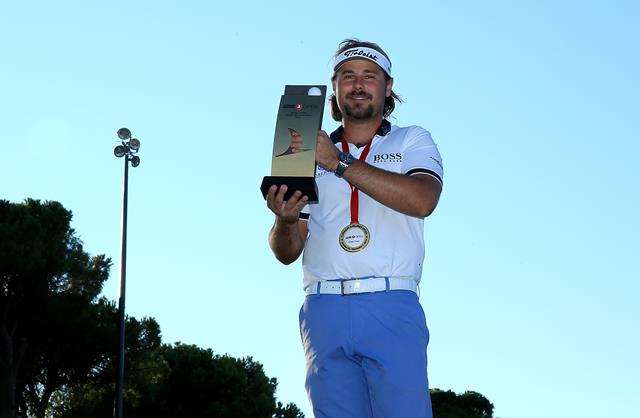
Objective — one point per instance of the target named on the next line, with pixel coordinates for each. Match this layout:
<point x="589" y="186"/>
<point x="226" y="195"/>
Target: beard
<point x="361" y="111"/>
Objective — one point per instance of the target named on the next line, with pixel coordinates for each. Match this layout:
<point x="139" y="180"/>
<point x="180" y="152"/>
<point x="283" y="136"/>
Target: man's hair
<point x="389" y="102"/>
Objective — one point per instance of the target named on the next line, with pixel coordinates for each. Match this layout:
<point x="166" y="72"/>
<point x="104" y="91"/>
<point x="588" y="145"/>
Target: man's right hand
<point x="286" y="211"/>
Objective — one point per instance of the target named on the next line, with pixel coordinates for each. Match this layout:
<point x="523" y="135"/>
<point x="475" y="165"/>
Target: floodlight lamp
<point x="134" y="144"/>
<point x="120" y="151"/>
<point x="124" y="134"/>
<point x="135" y="161"/>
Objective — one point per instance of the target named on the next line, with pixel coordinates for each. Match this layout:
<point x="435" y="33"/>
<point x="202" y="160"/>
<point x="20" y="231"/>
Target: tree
<point x="201" y="384"/>
<point x="144" y="366"/>
<point x="288" y="411"/>
<point x="447" y="404"/>
<point x="58" y="341"/>
<point x="181" y="380"/>
<point x="47" y="285"/>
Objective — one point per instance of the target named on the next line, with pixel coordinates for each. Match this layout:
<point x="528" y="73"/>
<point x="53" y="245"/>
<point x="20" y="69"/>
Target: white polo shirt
<point x="396" y="246"/>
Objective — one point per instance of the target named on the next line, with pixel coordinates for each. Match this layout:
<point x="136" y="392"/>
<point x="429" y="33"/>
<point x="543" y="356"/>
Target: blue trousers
<point x="366" y="355"/>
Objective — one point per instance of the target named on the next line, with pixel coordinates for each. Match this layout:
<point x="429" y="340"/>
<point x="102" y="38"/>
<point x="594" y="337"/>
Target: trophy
<point x="293" y="161"/>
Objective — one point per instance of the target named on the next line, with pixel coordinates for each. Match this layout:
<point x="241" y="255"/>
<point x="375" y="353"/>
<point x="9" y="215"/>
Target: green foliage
<point x="48" y="285"/>
<point x="288" y="411"/>
<point x="447" y="404"/>
<point x="182" y="381"/>
<point x="207" y="385"/>
<point x="94" y="395"/>
<point x="58" y="340"/>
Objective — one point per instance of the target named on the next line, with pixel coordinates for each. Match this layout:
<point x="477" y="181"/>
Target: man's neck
<point x="361" y="132"/>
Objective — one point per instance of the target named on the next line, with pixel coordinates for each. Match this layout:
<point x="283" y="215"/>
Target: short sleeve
<point x="304" y="213"/>
<point x="420" y="154"/>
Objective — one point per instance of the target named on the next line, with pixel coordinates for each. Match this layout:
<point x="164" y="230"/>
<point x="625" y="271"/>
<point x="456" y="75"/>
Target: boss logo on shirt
<point x="392" y="157"/>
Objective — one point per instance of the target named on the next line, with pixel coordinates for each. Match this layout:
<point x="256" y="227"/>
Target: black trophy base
<point x="307" y="185"/>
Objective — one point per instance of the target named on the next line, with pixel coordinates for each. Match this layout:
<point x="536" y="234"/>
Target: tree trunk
<point x="43" y="402"/>
<point x="41" y="408"/>
<point x="7" y="393"/>
<point x="9" y="361"/>
<point x="21" y="404"/>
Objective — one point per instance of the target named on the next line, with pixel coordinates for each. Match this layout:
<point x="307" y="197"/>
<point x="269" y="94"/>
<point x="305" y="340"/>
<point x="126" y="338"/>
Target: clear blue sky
<point x="531" y="284"/>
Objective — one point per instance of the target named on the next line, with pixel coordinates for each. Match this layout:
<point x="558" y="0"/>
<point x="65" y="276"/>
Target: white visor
<point x="363" y="53"/>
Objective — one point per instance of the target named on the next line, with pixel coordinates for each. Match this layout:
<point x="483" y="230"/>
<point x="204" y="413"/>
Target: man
<point x="362" y="326"/>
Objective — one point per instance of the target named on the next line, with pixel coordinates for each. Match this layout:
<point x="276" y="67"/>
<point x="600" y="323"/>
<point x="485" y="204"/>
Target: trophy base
<point x="307" y="185"/>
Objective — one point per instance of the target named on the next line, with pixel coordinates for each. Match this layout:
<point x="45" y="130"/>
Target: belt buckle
<point x="342" y="282"/>
<point x="342" y="288"/>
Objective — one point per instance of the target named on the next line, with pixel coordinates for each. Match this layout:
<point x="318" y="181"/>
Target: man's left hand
<point x="326" y="152"/>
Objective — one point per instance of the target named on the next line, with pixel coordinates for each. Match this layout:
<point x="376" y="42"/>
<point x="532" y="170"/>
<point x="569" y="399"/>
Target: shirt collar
<point x="383" y="129"/>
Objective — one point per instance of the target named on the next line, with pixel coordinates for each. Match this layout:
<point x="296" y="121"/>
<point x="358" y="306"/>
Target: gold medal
<point x="354" y="237"/>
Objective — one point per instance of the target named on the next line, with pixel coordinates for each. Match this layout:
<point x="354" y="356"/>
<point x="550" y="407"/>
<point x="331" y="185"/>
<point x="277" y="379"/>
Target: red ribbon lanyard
<point x="354" y="189"/>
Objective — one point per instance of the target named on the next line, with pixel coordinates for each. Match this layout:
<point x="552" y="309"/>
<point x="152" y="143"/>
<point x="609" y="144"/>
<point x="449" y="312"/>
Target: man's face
<point x="361" y="89"/>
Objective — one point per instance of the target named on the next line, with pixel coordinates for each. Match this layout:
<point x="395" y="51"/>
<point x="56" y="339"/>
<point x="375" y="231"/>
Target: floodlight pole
<point x="121" y="299"/>
<point x="127" y="148"/>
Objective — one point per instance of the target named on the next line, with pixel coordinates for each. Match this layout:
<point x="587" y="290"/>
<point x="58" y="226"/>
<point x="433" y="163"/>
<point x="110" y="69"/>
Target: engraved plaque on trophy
<point x="293" y="160"/>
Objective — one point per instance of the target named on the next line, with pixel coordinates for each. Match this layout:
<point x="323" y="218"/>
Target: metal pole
<point x="121" y="300"/>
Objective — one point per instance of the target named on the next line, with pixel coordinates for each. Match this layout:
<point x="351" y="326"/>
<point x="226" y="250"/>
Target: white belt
<point x="366" y="285"/>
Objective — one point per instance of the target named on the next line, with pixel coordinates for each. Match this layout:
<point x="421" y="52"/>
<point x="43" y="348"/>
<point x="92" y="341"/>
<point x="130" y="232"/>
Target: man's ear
<point x="389" y="87"/>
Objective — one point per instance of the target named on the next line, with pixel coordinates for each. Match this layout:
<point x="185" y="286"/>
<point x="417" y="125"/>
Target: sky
<point x="531" y="281"/>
